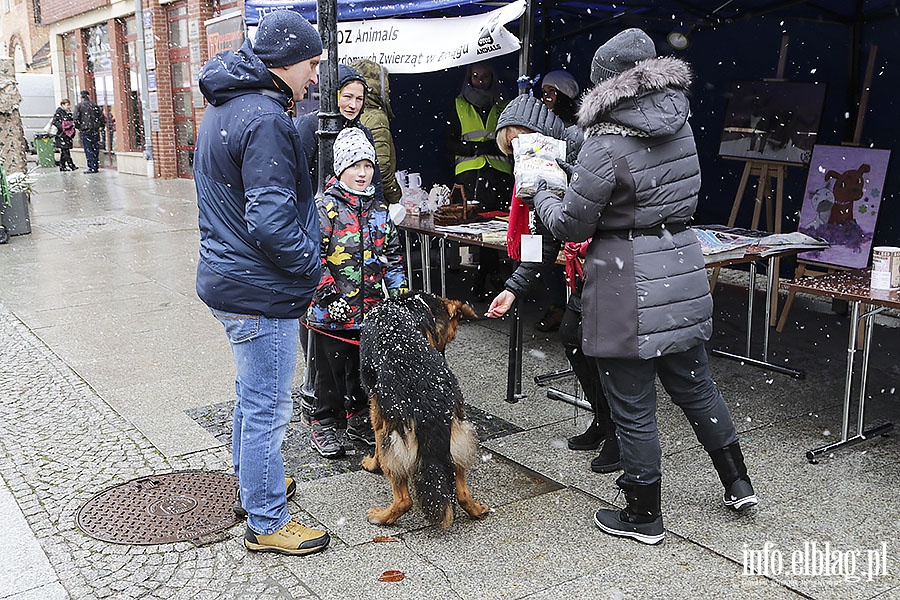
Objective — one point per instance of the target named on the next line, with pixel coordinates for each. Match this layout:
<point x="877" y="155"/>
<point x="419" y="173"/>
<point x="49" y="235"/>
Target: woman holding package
<point x="633" y="190"/>
<point x="526" y="114"/>
<point x="559" y="93"/>
<point x="65" y="133"/>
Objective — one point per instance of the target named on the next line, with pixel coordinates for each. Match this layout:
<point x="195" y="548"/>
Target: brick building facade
<point x="24" y="39"/>
<point x="94" y="47"/>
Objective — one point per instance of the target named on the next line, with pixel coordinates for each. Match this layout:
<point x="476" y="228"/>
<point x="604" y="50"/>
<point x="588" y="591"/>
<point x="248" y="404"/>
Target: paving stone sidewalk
<point x="111" y="369"/>
<point x="61" y="444"/>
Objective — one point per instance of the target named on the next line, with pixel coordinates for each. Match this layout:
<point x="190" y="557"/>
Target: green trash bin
<point x="43" y="145"/>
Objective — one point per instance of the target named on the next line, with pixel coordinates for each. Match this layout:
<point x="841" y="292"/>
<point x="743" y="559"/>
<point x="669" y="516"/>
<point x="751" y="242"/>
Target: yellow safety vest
<point x="476" y="130"/>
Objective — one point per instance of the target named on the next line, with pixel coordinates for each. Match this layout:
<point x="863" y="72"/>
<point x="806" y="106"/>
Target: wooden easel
<point x="807" y="268"/>
<point x="769" y="175"/>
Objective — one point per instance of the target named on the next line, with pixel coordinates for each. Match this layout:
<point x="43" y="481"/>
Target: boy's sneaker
<point x="740" y="496"/>
<point x="647" y="530"/>
<point x="359" y="427"/>
<point x="290" y="489"/>
<point x="294" y="539"/>
<point x="324" y="439"/>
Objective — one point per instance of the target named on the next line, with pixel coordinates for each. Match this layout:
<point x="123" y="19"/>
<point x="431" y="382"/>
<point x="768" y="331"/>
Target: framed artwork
<point x="840" y="205"/>
<point x="774" y="121"/>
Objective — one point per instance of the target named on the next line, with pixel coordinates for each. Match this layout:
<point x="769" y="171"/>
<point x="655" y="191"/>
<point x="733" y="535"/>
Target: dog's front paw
<point x="477" y="510"/>
<point x="379" y="516"/>
<point x="371" y="464"/>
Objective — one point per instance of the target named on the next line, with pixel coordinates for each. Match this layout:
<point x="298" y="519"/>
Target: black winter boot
<point x="640" y="520"/>
<point x="729" y="464"/>
<point x="601" y="426"/>
<point x="590" y="439"/>
<point x="609" y="459"/>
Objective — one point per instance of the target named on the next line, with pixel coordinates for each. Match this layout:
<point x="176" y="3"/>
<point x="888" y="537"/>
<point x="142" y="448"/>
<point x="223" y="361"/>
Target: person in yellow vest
<point x="484" y="172"/>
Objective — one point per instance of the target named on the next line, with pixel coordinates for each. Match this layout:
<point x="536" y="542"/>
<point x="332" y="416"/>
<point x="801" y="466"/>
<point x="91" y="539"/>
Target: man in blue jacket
<point x="259" y="254"/>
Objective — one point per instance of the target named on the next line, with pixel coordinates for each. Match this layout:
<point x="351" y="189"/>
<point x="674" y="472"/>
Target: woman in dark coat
<point x="65" y="133"/>
<point x="352" y="93"/>
<point x="526" y="114"/>
<point x="647" y="306"/>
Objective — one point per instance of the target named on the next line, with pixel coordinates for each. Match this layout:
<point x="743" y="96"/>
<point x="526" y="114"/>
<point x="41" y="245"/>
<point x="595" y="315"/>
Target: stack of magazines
<point x="725" y="243"/>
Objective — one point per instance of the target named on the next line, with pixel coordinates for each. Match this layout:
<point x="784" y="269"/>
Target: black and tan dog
<point x="416" y="406"/>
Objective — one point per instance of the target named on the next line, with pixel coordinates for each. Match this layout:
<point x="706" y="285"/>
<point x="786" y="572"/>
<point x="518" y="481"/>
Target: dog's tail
<point x="435" y="477"/>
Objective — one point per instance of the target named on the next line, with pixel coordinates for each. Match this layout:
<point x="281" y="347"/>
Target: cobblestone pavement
<point x="60" y="445"/>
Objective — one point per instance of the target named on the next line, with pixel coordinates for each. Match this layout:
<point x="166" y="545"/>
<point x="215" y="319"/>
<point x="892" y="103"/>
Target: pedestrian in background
<point x="259" y="254"/>
<point x="559" y="93"/>
<point x="480" y="168"/>
<point x="89" y="120"/>
<point x="647" y="305"/>
<point x="377" y="116"/>
<point x="65" y="133"/>
<point x="362" y="261"/>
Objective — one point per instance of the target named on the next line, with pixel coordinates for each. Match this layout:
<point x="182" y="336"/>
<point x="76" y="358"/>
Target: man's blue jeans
<point x="90" y="141"/>
<point x="265" y="354"/>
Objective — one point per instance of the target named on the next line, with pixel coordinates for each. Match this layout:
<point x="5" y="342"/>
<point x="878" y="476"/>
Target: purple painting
<point x="843" y="194"/>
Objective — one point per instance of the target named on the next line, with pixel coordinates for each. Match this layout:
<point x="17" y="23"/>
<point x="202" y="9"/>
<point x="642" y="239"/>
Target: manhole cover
<point x="159" y="509"/>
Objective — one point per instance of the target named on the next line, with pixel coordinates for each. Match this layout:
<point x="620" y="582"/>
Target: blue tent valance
<point x="356" y="10"/>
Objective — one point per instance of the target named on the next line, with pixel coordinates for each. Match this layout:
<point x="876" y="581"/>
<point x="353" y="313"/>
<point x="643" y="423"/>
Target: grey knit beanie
<point x="622" y="52"/>
<point x="528" y="111"/>
<point x="284" y="38"/>
<point x="350" y="147"/>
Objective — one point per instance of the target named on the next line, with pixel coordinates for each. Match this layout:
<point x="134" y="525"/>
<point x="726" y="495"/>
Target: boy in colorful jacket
<point x="362" y="262"/>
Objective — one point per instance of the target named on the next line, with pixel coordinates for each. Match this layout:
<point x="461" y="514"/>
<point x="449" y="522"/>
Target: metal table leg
<point x="555" y="394"/>
<point x="514" y="366"/>
<point x="552" y="376"/>
<point x="861" y="435"/>
<point x="746" y="358"/>
<point x="442" y="246"/>
<point x="425" y="249"/>
<point x="408" y="249"/>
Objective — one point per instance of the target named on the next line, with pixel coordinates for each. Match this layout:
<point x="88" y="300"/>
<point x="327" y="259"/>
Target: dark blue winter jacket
<point x="259" y="228"/>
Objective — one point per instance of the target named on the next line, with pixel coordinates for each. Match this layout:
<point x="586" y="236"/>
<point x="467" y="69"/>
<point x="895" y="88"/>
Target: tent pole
<point x="527" y="21"/>
<point x="329" y="126"/>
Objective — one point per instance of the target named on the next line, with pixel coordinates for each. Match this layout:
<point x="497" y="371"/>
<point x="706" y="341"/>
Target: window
<point x="180" y="60"/>
<point x="70" y="68"/>
<point x="134" y="115"/>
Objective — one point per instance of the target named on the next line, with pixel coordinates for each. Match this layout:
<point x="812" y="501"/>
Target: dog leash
<point x="326" y="334"/>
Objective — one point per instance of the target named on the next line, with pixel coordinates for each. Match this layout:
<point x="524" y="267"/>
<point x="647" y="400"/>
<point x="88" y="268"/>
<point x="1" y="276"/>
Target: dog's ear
<point x="460" y="310"/>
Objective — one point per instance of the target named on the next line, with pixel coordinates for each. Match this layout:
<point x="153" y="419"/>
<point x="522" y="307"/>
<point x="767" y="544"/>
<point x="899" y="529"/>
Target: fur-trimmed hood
<point x="656" y="89"/>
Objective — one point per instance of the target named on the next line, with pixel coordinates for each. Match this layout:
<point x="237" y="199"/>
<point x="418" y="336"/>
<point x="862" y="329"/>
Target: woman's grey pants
<point x="630" y="386"/>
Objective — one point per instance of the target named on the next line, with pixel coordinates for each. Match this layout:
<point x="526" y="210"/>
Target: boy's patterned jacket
<point x="360" y="250"/>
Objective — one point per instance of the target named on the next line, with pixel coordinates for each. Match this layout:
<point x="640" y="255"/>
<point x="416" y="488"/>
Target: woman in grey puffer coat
<point x="647" y="305"/>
